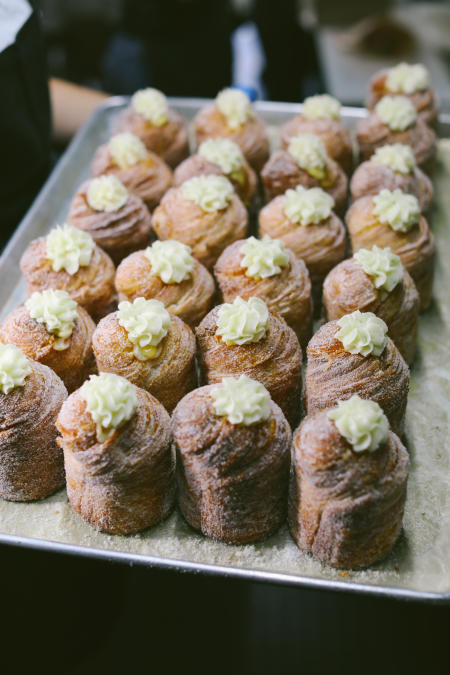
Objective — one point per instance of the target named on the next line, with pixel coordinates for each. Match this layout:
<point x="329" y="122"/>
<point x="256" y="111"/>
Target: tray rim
<point x="151" y="561"/>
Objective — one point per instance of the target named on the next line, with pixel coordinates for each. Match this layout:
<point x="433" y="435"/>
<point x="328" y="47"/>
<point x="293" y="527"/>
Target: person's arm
<point x="71" y="106"/>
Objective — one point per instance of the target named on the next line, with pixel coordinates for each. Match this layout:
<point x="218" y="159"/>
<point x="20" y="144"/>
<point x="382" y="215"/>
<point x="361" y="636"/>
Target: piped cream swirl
<point x="242" y="401"/>
<point x="56" y="310"/>
<point x="397" y="112"/>
<point x="262" y="258"/>
<point x="211" y="193"/>
<point x="126" y="150"/>
<point x="307" y="206"/>
<point x="242" y="321"/>
<point x="106" y="193"/>
<point x="309" y="153"/>
<point x="321" y="107"/>
<point x="152" y="105"/>
<point x="362" y="423"/>
<point x="235" y="105"/>
<point x="225" y="154"/>
<point x="397" y="156"/>
<point x="397" y="209"/>
<point x="362" y="333"/>
<point x="407" y="78"/>
<point x="382" y="265"/>
<point x="14" y="368"/>
<point x="147" y="324"/>
<point x="69" y="248"/>
<point x="111" y="401"/>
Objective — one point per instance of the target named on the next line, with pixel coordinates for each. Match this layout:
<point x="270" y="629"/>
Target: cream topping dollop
<point x="321" y="107"/>
<point x="242" y="321"/>
<point x="147" y="324"/>
<point x="106" y="193"/>
<point x="171" y="260"/>
<point x="397" y="112"/>
<point x="307" y="206"/>
<point x="225" y="154"/>
<point x="126" y="150"/>
<point x="56" y="310"/>
<point x="362" y="423"/>
<point x="262" y="258"/>
<point x="242" y="401"/>
<point x="110" y="400"/>
<point x="382" y="265"/>
<point x="152" y="105"/>
<point x="407" y="78"/>
<point x="397" y="156"/>
<point x="235" y="105"/>
<point x="69" y="248"/>
<point x="397" y="209"/>
<point x="14" y="368"/>
<point x="211" y="193"/>
<point x="362" y="333"/>
<point x="309" y="153"/>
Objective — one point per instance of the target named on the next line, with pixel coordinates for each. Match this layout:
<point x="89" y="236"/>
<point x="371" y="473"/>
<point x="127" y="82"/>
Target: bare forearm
<point x="71" y="106"/>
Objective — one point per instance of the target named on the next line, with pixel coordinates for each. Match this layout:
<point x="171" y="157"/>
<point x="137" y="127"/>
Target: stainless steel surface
<point x="52" y="526"/>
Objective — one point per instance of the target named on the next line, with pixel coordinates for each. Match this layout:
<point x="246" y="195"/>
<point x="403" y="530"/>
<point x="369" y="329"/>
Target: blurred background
<point x="75" y="616"/>
<point x="279" y="49"/>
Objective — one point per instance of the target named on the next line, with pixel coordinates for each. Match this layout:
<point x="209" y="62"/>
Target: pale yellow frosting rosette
<point x="111" y="401"/>
<point x="262" y="258"/>
<point x="362" y="423"/>
<point x="242" y="321"/>
<point x="321" y="107"/>
<point x="235" y="105"/>
<point x="56" y="310"/>
<point x="362" y="333"/>
<point x="171" y="260"/>
<point x="406" y="78"/>
<point x="309" y="153"/>
<point x="152" y="105"/>
<point x="307" y="206"/>
<point x="382" y="265"/>
<point x="210" y="192"/>
<point x="397" y="156"/>
<point x="147" y="324"/>
<point x="106" y="193"/>
<point x="397" y="112"/>
<point x="14" y="368"/>
<point x="242" y="401"/>
<point x="69" y="248"/>
<point x="397" y="209"/>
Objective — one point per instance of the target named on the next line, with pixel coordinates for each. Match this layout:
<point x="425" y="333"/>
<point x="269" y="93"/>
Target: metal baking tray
<point x="417" y="568"/>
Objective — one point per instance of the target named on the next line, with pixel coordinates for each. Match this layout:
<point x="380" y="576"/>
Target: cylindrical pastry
<point x="245" y="338"/>
<point x="321" y="116"/>
<point x="394" y="120"/>
<point x="221" y="157"/>
<point x="142" y="172"/>
<point x="161" y="129"/>
<point x="374" y="280"/>
<point x="306" y="163"/>
<point x="408" y="80"/>
<point x="117" y="220"/>
<point x="232" y="116"/>
<point x="354" y="356"/>
<point x="205" y="213"/>
<point x="392" y="167"/>
<point x="31" y="464"/>
<point x="149" y="347"/>
<point x="119" y="464"/>
<point x="348" y="485"/>
<point x="266" y="269"/>
<point x="52" y="329"/>
<point x="305" y="221"/>
<point x="168" y="272"/>
<point x="233" y="456"/>
<point x="393" y="219"/>
<point x="67" y="259"/>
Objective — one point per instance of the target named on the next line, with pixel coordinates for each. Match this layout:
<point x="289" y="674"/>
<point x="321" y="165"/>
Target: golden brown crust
<point x="148" y="179"/>
<point x="92" y="286"/>
<point x="73" y="365"/>
<point x="348" y="288"/>
<point x="170" y="141"/>
<point x="232" y="480"/>
<point x="208" y="234"/>
<point x="320" y="246"/>
<point x="372" y="177"/>
<point x="275" y="361"/>
<point x="127" y="483"/>
<point x="281" y="173"/>
<point x="372" y="133"/>
<point x="334" y="134"/>
<point x="415" y="248"/>
<point x="423" y="101"/>
<point x="345" y="507"/>
<point x="287" y="293"/>
<point x="168" y="377"/>
<point x="196" y="165"/>
<point x="251" y="137"/>
<point x="333" y="375"/>
<point x="31" y="464"/>
<point x="119" y="232"/>
<point x="190" y="299"/>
